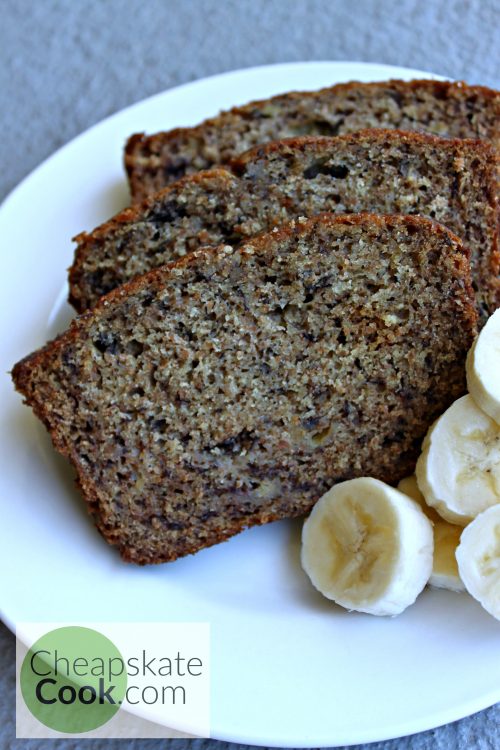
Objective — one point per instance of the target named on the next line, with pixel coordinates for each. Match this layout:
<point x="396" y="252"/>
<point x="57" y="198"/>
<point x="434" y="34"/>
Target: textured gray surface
<point x="66" y="64"/>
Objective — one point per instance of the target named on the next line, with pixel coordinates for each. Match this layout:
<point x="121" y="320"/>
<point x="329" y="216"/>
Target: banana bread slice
<point x="438" y="107"/>
<point x="384" y="171"/>
<point x="235" y="386"/>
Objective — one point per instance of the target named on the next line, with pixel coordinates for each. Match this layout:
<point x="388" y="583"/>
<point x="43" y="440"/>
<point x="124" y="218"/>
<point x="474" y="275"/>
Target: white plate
<point x="289" y="669"/>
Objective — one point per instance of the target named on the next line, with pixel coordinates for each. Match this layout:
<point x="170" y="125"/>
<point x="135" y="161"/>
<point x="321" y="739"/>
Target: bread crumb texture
<point x="443" y="108"/>
<point x="452" y="181"/>
<point x="236" y="386"/>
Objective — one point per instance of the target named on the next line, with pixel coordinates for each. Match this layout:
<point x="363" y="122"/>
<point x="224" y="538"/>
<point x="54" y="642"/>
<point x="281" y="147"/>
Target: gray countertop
<point x="66" y="64"/>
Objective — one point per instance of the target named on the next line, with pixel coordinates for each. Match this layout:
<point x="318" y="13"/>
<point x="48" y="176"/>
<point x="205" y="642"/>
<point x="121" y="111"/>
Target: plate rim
<point x="406" y="728"/>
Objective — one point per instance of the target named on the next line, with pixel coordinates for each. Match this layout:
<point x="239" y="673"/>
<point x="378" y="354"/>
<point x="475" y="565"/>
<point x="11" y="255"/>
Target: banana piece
<point x="409" y="486"/>
<point x="483" y="368"/>
<point x="478" y="557"/>
<point x="458" y="471"/>
<point x="368" y="547"/>
<point x="445" y="573"/>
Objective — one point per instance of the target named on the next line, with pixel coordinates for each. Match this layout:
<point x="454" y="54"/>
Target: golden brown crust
<point x="239" y="163"/>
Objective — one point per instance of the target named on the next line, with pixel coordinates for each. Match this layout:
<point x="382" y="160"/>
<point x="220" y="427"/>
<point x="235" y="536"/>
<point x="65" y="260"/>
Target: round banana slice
<point x="458" y="471"/>
<point x="478" y="557"/>
<point x="445" y="573"/>
<point x="483" y="368"/>
<point x="368" y="547"/>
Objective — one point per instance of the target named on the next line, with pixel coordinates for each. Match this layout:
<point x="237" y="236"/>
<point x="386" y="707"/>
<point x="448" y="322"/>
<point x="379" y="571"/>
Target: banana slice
<point x="409" y="486"/>
<point x="445" y="573"/>
<point x="478" y="557"/>
<point x="368" y="547"/>
<point x="483" y="368"/>
<point x="458" y="471"/>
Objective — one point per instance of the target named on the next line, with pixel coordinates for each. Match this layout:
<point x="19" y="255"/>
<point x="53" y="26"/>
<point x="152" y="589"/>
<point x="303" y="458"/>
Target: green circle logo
<point x="73" y="679"/>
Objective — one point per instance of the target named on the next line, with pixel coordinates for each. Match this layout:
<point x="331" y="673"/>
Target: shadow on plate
<point x="60" y="315"/>
<point x="101" y="205"/>
<point x="114" y="198"/>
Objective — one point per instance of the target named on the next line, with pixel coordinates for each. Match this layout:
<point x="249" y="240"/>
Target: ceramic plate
<point x="289" y="668"/>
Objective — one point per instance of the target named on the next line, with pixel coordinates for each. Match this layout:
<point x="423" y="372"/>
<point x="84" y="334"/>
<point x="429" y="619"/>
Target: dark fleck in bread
<point x="384" y="171"/>
<point x="235" y="386"/>
<point x="441" y="108"/>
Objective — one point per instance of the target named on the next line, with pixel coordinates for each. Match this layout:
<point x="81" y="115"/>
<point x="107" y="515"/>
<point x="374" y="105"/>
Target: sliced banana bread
<point x="235" y="386"/>
<point x="438" y="107"/>
<point x="385" y="171"/>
